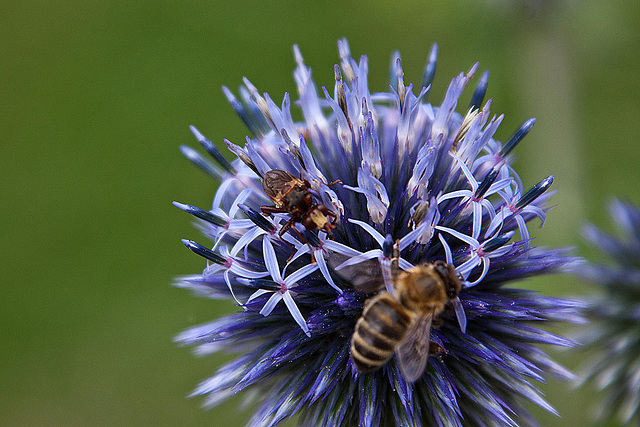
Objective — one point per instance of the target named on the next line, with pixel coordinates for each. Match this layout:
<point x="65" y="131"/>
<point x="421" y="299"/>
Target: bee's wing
<point x="413" y="351"/>
<point x="277" y="183"/>
<point x="364" y="276"/>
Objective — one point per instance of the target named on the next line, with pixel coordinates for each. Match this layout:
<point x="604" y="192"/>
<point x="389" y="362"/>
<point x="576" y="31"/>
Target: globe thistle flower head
<point x="384" y="184"/>
<point x="613" y="338"/>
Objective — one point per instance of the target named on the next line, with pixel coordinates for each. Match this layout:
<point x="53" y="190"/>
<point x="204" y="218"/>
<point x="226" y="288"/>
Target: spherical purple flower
<point x="359" y="172"/>
<point x="613" y="339"/>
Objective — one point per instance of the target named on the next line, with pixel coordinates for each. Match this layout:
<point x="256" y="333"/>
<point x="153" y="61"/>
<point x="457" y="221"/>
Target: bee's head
<point x="421" y="289"/>
<point x="450" y="277"/>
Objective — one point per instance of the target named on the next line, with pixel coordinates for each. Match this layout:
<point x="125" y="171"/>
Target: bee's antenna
<point x="396" y="255"/>
<point x="388" y="263"/>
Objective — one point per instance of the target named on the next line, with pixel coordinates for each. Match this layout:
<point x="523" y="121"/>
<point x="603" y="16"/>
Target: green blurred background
<point x="96" y="96"/>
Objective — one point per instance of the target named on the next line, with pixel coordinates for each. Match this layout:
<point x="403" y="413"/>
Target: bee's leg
<point x="436" y="349"/>
<point x="436" y="322"/>
<point x="337" y="181"/>
<point x="268" y="210"/>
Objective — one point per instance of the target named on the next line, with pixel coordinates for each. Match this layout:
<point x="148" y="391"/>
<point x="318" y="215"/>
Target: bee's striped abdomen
<point x="377" y="333"/>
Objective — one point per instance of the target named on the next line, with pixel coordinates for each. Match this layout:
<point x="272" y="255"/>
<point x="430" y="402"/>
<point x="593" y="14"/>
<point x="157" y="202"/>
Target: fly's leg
<point x="313" y="259"/>
<point x="268" y="210"/>
<point x="283" y="230"/>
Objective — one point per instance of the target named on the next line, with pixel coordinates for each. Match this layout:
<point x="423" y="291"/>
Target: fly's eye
<point x="309" y="223"/>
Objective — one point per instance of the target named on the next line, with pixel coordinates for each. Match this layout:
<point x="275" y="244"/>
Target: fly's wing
<point x="278" y="183"/>
<point x="413" y="351"/>
<point x="364" y="276"/>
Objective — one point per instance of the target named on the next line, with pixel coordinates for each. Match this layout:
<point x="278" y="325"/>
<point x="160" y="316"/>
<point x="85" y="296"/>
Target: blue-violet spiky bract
<point x="387" y="166"/>
<point x="613" y="338"/>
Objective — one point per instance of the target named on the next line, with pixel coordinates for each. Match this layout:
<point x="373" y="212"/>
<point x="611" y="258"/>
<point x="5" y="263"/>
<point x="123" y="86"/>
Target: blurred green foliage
<point x="97" y="96"/>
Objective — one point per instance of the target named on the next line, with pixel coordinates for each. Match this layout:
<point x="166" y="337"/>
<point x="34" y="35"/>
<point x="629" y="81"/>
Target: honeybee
<point x="291" y="195"/>
<point x="398" y="320"/>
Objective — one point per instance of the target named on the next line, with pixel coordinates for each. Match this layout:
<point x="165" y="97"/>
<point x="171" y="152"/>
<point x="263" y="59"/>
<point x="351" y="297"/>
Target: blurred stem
<point x="548" y="83"/>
